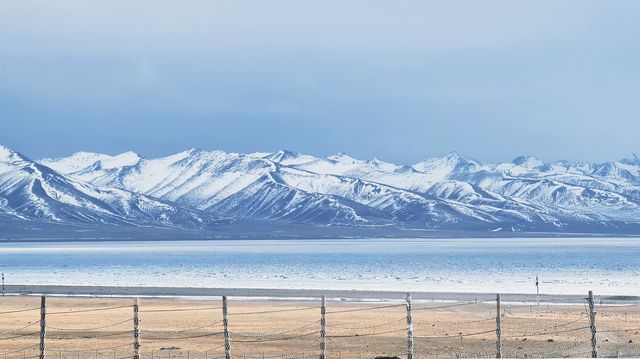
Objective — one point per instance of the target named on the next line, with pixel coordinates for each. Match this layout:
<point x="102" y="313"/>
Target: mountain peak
<point x="527" y="162"/>
<point x="194" y="150"/>
<point x="456" y="157"/>
<point x="282" y="155"/>
<point x="5" y="153"/>
<point x="454" y="154"/>
<point x="128" y="158"/>
<point x="631" y="161"/>
<point x="9" y="155"/>
<point x="342" y="157"/>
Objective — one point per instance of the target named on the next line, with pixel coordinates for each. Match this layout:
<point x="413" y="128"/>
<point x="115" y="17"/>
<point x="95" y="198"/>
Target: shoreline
<point x="276" y="294"/>
<point x="407" y="235"/>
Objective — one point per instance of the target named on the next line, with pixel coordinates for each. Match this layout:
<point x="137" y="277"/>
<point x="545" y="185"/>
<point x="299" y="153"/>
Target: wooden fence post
<point x="323" y="327"/>
<point x="409" y="327"/>
<point x="592" y="324"/>
<point x="225" y="322"/>
<point x="43" y="326"/>
<point x="498" y="329"/>
<point x="136" y="328"/>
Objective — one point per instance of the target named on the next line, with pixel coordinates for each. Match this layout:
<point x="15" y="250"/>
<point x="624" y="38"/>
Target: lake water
<point x="565" y="266"/>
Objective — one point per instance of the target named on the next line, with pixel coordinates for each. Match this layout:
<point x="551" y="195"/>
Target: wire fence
<point x="163" y="329"/>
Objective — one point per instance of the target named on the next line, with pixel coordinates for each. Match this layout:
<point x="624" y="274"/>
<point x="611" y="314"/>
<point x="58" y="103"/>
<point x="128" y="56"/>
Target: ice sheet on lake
<point x="565" y="266"/>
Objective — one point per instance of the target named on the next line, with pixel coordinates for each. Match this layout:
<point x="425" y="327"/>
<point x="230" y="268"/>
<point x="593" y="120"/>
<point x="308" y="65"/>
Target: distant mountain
<point x="33" y="192"/>
<point x="202" y="189"/>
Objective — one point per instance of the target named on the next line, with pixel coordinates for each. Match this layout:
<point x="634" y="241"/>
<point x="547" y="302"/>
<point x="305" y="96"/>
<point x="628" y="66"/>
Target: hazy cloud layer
<point x="401" y="80"/>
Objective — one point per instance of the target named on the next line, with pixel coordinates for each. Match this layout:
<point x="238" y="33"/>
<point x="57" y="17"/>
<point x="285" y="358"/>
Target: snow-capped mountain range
<point x="202" y="190"/>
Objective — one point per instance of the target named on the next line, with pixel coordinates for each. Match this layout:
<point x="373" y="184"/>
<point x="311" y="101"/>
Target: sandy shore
<point x="94" y="327"/>
<point x="299" y="293"/>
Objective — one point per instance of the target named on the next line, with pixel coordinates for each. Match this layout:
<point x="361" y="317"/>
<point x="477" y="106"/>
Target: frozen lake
<point x="565" y="266"/>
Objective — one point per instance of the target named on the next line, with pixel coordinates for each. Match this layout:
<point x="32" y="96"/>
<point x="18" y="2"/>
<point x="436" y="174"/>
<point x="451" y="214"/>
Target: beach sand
<point x="93" y="327"/>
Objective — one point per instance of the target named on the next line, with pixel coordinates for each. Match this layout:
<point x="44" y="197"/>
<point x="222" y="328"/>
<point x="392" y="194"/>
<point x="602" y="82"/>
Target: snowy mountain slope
<point x="405" y="206"/>
<point x="83" y="160"/>
<point x="195" y="178"/>
<point x="269" y="198"/>
<point x="205" y="179"/>
<point x="586" y="196"/>
<point x="373" y="170"/>
<point x="31" y="191"/>
<point x="452" y="191"/>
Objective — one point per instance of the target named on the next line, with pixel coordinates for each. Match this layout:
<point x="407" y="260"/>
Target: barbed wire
<point x="563" y="350"/>
<point x="19" y="311"/>
<point x="366" y="334"/>
<point x="260" y="335"/>
<point x="92" y="328"/>
<point x="342" y="327"/>
<point x="546" y="333"/>
<point x="618" y="330"/>
<point x="22" y="349"/>
<point x="99" y="349"/>
<point x="508" y="316"/>
<point x="377" y="329"/>
<point x="277" y="339"/>
<point x="337" y="344"/>
<point x="555" y="300"/>
<point x="295" y="355"/>
<point x="454" y="336"/>
<point x="210" y="325"/>
<point x="601" y="306"/>
<point x="89" y="310"/>
<point x="364" y="309"/>
<point x="178" y="310"/>
<point x="620" y="317"/>
<point x="507" y="323"/>
<point x="95" y="336"/>
<point x="19" y="329"/>
<point x="212" y="349"/>
<point x="20" y="336"/>
<point x="492" y="319"/>
<point x="185" y="337"/>
<point x="453" y="305"/>
<point x="273" y="311"/>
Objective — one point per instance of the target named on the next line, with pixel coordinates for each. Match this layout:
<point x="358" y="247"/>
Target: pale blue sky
<point x="399" y="80"/>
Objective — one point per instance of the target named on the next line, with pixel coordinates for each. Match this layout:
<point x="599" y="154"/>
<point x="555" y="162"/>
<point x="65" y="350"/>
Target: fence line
<point x="327" y="332"/>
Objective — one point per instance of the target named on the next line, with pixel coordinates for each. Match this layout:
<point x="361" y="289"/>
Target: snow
<point x="121" y="160"/>
<point x="399" y="264"/>
<point x="73" y="163"/>
<point x="36" y="192"/>
<point x="452" y="191"/>
<point x="528" y="162"/>
<point x="5" y="153"/>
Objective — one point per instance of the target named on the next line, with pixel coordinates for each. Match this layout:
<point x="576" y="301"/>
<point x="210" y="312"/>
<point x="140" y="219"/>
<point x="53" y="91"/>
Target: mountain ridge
<point x="198" y="190"/>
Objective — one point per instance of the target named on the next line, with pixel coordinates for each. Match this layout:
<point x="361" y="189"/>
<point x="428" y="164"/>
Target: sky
<point x="397" y="80"/>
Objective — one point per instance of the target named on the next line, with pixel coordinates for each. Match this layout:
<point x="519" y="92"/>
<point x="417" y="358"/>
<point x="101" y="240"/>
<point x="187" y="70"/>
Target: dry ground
<point x="84" y="328"/>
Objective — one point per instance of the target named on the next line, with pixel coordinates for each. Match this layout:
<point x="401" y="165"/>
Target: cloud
<point x="422" y="75"/>
<point x="146" y="74"/>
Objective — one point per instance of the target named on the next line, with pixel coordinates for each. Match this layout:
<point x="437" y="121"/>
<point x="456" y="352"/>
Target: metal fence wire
<point x="461" y="329"/>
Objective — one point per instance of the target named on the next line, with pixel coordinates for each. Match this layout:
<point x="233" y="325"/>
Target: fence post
<point x="136" y="328"/>
<point x="43" y="326"/>
<point x="323" y="327"/>
<point x="592" y="324"/>
<point x="409" y="328"/>
<point x="225" y="322"/>
<point x="498" y="330"/>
